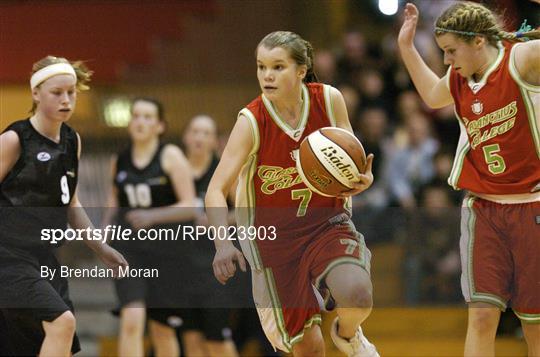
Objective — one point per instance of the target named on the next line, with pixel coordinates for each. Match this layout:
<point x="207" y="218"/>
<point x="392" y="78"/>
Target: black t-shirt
<point x="36" y="192"/>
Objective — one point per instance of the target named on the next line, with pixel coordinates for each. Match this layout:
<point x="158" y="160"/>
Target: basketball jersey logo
<point x="43" y="156"/>
<point x="477" y="107"/>
<point x="276" y="178"/>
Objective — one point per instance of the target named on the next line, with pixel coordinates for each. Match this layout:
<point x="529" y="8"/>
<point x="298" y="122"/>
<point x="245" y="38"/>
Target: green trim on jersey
<point x="515" y="74"/>
<point x="327" y="90"/>
<point x="525" y="89"/>
<point x="315" y="319"/>
<point x="283" y="123"/>
<point x="461" y="151"/>
<point x="475" y="296"/>
<point x="491" y="68"/>
<point x="278" y="312"/>
<point x="361" y="261"/>
<point x="528" y="318"/>
<point x="532" y="115"/>
<point x="248" y="172"/>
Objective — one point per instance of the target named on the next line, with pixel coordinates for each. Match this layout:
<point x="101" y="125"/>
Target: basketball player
<point x="38" y="178"/>
<point x="494" y="82"/>
<point x="153" y="185"/>
<point x="206" y="328"/>
<point x="316" y="243"/>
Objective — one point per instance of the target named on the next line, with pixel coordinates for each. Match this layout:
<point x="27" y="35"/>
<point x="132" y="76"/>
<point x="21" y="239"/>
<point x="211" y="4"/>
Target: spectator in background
<point x="432" y="263"/>
<point x="371" y="85"/>
<point x="411" y="166"/>
<point x="354" y="57"/>
<point x="352" y="99"/>
<point x="442" y="162"/>
<point x="408" y="103"/>
<point x="371" y="127"/>
<point x="325" y="62"/>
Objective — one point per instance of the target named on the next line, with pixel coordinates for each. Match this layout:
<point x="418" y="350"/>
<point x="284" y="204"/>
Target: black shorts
<point x="27" y="299"/>
<point x="213" y="323"/>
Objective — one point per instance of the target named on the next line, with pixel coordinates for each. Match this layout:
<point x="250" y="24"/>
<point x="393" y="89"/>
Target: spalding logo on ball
<point x="330" y="160"/>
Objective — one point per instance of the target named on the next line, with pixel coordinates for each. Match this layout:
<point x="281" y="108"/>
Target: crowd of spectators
<point x="410" y="202"/>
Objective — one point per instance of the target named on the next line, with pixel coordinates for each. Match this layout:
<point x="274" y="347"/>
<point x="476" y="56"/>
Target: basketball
<point x="330" y="160"/>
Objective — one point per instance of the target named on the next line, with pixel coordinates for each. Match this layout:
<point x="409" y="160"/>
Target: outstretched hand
<point x="408" y="29"/>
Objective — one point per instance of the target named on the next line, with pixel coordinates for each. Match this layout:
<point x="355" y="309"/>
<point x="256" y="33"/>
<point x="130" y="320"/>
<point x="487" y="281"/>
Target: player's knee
<point x="63" y="325"/>
<point x="358" y="296"/>
<point x="132" y="322"/>
<point x="483" y="320"/>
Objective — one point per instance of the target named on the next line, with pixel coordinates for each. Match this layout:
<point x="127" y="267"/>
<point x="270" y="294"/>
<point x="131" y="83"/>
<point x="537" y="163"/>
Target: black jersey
<point x="36" y="192"/>
<point x="202" y="183"/>
<point x="143" y="188"/>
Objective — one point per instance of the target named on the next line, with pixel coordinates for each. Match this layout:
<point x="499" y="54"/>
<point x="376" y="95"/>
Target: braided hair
<point x="467" y="19"/>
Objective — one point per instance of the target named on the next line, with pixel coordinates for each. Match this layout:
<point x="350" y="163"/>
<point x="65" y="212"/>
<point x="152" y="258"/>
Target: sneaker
<point x="358" y="346"/>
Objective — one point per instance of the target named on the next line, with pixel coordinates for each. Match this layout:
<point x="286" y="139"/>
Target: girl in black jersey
<point x="38" y="178"/>
<point x="206" y="330"/>
<point x="153" y="186"/>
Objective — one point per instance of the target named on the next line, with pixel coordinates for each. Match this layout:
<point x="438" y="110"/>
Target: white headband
<point x="53" y="70"/>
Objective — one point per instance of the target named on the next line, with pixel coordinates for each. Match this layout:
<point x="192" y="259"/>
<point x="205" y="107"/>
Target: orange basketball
<point x="330" y="160"/>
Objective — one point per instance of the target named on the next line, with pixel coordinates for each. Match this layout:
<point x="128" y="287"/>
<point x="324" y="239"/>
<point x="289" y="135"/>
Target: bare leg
<point x="350" y="286"/>
<point x="194" y="344"/>
<point x="532" y="336"/>
<point x="132" y="319"/>
<point x="58" y="335"/>
<point x="312" y="345"/>
<point x="481" y="330"/>
<point x="164" y="340"/>
<point x="221" y="348"/>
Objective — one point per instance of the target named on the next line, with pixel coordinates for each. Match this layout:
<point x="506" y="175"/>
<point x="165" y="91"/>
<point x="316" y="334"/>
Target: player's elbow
<point x="214" y="195"/>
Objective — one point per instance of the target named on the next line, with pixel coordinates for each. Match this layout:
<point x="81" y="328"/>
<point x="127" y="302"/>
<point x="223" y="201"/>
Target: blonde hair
<point x="82" y="72"/>
<point x="467" y="19"/>
<point x="299" y="49"/>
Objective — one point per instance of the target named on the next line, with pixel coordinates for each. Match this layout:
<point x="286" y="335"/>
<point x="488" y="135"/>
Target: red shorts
<point x="290" y="271"/>
<point x="500" y="255"/>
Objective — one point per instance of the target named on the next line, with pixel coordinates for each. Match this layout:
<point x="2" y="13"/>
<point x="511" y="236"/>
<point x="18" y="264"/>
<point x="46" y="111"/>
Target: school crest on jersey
<point x="477" y="107"/>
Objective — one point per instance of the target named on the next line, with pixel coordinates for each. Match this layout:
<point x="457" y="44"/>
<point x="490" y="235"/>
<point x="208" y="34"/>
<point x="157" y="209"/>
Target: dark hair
<point x="299" y="49"/>
<point x="157" y="103"/>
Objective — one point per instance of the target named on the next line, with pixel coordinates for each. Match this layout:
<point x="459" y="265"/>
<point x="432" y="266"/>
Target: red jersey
<point x="270" y="188"/>
<point x="499" y="148"/>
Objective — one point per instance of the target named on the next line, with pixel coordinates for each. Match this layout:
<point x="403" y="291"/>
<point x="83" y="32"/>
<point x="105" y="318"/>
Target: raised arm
<point x="431" y="88"/>
<point x="233" y="159"/>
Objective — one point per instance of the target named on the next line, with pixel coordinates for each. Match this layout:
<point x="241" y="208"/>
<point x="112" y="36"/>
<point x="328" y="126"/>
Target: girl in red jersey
<point x="494" y="82"/>
<point x="315" y="245"/>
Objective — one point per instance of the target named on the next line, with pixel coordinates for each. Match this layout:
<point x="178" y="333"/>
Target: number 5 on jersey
<point x="496" y="164"/>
